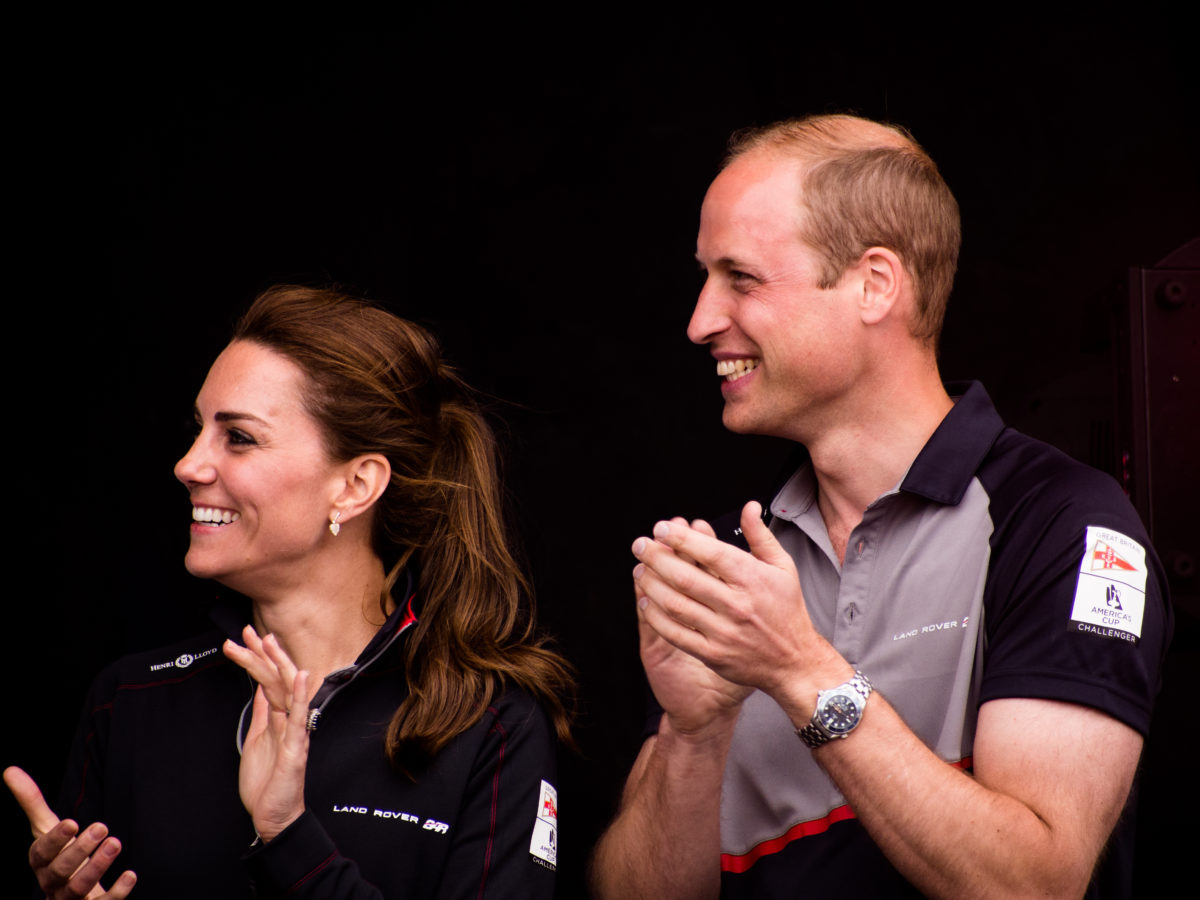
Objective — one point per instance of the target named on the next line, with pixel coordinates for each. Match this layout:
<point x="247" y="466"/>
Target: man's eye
<point x="741" y="279"/>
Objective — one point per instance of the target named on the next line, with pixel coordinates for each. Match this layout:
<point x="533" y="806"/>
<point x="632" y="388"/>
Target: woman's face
<point x="261" y="484"/>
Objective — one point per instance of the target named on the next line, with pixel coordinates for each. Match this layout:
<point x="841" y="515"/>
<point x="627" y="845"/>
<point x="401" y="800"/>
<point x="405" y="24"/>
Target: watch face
<point x="839" y="713"/>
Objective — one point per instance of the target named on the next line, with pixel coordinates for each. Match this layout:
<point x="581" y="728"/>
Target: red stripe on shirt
<point x="738" y="863"/>
<point x="491" y="839"/>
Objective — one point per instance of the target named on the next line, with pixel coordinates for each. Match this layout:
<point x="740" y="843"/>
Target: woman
<point x="396" y="735"/>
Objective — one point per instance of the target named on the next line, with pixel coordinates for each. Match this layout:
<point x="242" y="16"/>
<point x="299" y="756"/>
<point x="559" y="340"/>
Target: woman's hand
<point x="68" y="865"/>
<point x="271" y="777"/>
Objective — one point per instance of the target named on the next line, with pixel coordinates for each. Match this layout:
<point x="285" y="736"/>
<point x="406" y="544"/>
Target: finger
<point x="33" y="804"/>
<point x="46" y="848"/>
<point x="279" y="657"/>
<point x="682" y="602"/>
<point x="256" y="660"/>
<point x="705" y="529"/>
<point x="296" y="737"/>
<point x="121" y="887"/>
<point x="658" y="624"/>
<point x="250" y="657"/>
<point x="260" y="669"/>
<point x="715" y="556"/>
<point x="67" y="861"/>
<point x="260" y="715"/>
<point x="87" y="876"/>
<point x="697" y="580"/>
<point x="763" y="543"/>
<point x="680" y="522"/>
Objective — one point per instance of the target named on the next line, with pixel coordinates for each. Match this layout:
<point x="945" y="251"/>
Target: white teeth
<point x="733" y="369"/>
<point x="214" y="516"/>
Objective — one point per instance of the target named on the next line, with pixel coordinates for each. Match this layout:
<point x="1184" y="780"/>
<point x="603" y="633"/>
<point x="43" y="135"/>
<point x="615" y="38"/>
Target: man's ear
<point x="366" y="478"/>
<point x="885" y="283"/>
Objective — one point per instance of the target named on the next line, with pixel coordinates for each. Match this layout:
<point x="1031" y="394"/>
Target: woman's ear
<point x="366" y="478"/>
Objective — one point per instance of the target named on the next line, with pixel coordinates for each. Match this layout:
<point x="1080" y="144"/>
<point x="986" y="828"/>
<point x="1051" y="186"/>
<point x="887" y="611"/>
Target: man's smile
<point x="733" y="369"/>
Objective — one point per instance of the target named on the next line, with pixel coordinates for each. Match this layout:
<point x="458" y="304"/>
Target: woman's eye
<point x="237" y="436"/>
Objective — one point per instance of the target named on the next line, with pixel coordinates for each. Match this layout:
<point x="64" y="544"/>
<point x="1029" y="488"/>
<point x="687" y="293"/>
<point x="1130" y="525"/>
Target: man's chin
<point x="737" y="421"/>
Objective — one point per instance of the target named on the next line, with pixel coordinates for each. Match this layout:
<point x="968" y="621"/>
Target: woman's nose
<point x="194" y="467"/>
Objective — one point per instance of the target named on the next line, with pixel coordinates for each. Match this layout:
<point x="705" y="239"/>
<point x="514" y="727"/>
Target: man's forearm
<point x="665" y="842"/>
<point x="1029" y="823"/>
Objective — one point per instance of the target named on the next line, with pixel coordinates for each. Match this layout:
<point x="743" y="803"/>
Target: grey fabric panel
<point x="905" y="607"/>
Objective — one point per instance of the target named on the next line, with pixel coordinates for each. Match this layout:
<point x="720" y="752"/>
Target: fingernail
<point x="110" y="848"/>
<point x="638" y="546"/>
<point x="662" y="529"/>
<point x="638" y="570"/>
<point x="643" y="602"/>
<point x="96" y="831"/>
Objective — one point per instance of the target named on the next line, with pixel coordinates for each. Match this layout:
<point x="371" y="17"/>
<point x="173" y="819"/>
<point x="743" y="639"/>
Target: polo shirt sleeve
<point x="1075" y="606"/>
<point x="507" y="843"/>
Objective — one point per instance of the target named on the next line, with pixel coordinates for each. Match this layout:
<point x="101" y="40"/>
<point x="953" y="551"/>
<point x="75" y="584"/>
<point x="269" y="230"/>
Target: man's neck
<point x="870" y="449"/>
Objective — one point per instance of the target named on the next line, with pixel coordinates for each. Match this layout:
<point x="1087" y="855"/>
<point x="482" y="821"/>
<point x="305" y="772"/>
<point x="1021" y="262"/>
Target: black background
<point x="530" y="191"/>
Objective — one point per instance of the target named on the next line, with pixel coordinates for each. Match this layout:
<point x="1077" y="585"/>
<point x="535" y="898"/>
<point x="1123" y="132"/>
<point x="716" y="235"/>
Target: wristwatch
<point x="839" y="710"/>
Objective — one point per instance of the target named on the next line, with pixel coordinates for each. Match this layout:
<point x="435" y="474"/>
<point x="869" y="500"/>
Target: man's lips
<point x="733" y="369"/>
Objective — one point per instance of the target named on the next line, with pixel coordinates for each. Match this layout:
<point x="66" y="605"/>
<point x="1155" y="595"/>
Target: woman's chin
<point x="197" y="565"/>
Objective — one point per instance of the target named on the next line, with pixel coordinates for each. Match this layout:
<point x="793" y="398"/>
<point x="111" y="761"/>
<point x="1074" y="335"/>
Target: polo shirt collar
<point x="942" y="471"/>
<point x="948" y="462"/>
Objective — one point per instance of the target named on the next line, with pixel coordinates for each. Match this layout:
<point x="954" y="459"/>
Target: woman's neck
<point x="326" y="622"/>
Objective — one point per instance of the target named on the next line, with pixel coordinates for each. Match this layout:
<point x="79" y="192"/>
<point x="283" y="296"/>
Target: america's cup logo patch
<point x="1110" y="595"/>
<point x="543" y="846"/>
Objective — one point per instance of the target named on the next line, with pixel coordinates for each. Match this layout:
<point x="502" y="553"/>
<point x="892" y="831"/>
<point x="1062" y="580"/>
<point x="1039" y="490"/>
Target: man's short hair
<point x="867" y="184"/>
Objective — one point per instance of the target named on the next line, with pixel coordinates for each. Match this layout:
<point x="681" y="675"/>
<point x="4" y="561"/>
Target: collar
<point x="942" y="471"/>
<point x="400" y="620"/>
<point x="231" y="613"/>
<point x="948" y="462"/>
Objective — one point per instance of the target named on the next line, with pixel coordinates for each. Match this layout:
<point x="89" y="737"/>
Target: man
<point x="933" y="670"/>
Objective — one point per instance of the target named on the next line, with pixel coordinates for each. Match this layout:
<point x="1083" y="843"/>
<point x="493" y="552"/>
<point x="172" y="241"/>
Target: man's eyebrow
<point x="724" y="263"/>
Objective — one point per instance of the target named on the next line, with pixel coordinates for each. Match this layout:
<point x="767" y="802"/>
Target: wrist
<point x="716" y="731"/>
<point x="797" y="694"/>
<point x="268" y="831"/>
<point x="839" y="711"/>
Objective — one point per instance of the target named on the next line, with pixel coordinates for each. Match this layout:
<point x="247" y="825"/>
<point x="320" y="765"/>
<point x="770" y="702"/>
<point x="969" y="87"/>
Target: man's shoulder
<point x="1027" y="479"/>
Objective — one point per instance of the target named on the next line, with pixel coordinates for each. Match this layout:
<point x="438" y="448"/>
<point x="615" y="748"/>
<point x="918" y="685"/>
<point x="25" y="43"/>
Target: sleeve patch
<point x="543" y="847"/>
<point x="1110" y="595"/>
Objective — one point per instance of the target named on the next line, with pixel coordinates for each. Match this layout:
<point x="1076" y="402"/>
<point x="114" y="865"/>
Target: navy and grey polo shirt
<point x="998" y="567"/>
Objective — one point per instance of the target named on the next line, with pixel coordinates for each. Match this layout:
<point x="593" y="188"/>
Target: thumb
<point x="762" y="543"/>
<point x="260" y="714"/>
<point x="25" y="789"/>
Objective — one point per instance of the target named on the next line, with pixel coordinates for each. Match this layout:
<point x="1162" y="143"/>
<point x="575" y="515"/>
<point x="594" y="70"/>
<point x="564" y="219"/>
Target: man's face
<point x="787" y="350"/>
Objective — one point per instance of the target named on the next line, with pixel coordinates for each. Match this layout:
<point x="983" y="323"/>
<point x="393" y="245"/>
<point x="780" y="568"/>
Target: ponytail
<point x="377" y="384"/>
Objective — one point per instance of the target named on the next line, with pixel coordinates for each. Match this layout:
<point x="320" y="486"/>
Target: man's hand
<point x="691" y="694"/>
<point x="741" y="614"/>
<point x="67" y="865"/>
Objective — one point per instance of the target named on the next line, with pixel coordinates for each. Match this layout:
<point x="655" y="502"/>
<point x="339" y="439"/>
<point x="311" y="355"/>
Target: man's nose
<point x="711" y="315"/>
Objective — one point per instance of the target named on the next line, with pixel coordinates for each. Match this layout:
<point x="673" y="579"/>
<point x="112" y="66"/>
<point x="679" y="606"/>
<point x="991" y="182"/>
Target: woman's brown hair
<point x="378" y="384"/>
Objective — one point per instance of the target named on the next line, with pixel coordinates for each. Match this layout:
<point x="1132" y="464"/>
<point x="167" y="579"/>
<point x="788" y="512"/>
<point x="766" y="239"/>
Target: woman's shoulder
<point x="163" y="665"/>
<point x="513" y="708"/>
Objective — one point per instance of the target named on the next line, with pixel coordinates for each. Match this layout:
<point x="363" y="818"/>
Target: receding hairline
<point x="813" y="139"/>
